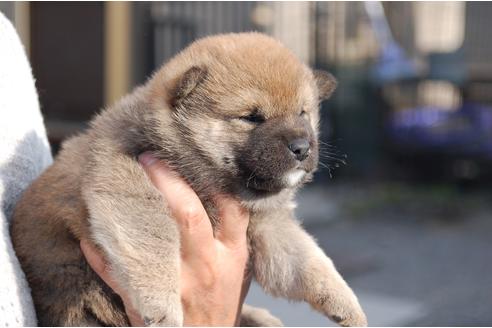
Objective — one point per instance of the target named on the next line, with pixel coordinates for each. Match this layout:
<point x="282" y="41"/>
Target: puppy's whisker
<point x="328" y="145"/>
<point x="335" y="157"/>
<point x="336" y="161"/>
<point x="330" y="149"/>
<point x="333" y="153"/>
<point x="337" y="153"/>
<point x="328" y="168"/>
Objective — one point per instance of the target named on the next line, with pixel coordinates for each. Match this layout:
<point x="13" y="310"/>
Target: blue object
<point x="393" y="64"/>
<point x="464" y="131"/>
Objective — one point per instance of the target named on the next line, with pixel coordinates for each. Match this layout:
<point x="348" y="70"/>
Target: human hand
<point x="213" y="269"/>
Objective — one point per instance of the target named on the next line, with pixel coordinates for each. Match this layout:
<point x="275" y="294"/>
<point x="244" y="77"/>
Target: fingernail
<point x="146" y="159"/>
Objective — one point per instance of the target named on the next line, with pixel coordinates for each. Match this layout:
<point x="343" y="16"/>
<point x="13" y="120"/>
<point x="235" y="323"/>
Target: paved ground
<point x="415" y="255"/>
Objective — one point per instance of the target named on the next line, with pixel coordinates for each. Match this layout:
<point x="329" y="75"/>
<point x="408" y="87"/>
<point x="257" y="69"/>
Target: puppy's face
<point x="250" y="111"/>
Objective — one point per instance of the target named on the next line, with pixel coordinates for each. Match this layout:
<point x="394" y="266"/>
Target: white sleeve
<point x="24" y="154"/>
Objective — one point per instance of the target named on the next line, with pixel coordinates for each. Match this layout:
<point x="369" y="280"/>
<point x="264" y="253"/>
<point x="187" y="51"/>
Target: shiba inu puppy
<point x="233" y="114"/>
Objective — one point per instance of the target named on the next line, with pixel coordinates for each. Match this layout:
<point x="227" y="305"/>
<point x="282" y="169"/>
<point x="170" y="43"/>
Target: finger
<point x="184" y="204"/>
<point x="234" y="220"/>
<point x="98" y="264"/>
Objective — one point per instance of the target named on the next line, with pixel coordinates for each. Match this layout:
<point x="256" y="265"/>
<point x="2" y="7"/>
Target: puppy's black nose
<point x="300" y="148"/>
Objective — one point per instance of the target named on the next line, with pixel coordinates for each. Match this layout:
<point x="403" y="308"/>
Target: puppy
<point x="234" y="114"/>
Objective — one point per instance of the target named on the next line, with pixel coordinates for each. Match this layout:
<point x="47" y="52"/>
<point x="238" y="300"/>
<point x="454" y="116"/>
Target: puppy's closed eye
<point x="254" y="117"/>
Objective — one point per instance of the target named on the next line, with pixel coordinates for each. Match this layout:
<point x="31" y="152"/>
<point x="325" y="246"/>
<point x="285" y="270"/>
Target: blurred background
<point x="408" y="219"/>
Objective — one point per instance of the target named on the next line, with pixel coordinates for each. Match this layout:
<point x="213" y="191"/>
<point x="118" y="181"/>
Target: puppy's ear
<point x="326" y="83"/>
<point x="187" y="83"/>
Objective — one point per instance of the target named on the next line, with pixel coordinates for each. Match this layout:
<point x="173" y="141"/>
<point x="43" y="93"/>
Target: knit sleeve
<point x="24" y="154"/>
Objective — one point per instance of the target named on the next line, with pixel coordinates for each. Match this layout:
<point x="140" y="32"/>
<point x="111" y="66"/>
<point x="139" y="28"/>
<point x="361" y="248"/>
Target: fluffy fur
<point x="222" y="113"/>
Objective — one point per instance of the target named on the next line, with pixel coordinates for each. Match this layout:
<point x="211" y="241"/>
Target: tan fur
<point x="194" y="113"/>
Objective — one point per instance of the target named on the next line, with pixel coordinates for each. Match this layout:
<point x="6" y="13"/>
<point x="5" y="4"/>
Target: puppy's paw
<point x="354" y="319"/>
<point x="342" y="307"/>
<point x="256" y="317"/>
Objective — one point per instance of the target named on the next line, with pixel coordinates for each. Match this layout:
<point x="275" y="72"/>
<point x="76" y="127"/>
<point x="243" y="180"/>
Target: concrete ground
<point x="415" y="255"/>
